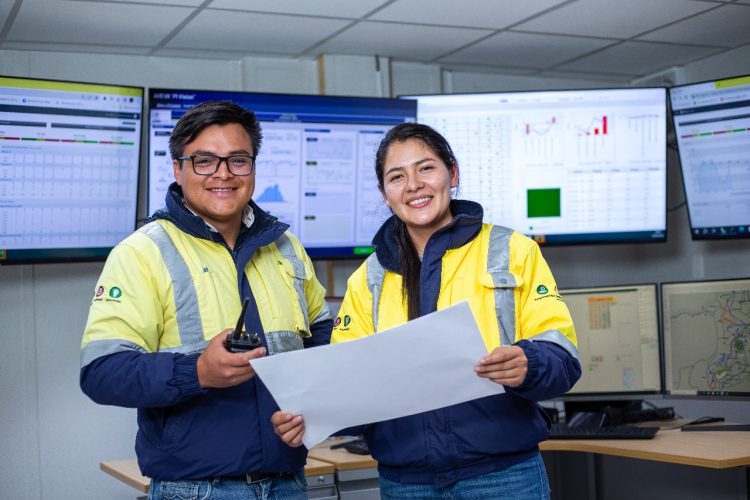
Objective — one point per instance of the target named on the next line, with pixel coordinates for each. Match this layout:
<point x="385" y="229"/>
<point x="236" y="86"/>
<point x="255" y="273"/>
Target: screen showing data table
<point x="564" y="167"/>
<point x="69" y="156"/>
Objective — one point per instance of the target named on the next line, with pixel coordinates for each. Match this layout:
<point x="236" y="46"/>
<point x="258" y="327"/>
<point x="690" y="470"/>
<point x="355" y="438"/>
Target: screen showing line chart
<point x="712" y="125"/>
<point x="563" y="167"/>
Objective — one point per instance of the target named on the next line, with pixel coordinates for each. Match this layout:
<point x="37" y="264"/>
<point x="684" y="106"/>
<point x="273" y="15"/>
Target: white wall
<point x="54" y="438"/>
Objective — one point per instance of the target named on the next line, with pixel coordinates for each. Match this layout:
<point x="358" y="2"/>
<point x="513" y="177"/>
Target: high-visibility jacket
<point x="514" y="299"/>
<point x="167" y="290"/>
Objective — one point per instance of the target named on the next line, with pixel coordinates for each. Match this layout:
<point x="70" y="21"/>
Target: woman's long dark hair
<point x="408" y="259"/>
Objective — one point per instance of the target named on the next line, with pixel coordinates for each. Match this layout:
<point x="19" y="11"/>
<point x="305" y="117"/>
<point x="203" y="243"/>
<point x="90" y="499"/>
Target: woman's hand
<point x="290" y="428"/>
<point x="506" y="365"/>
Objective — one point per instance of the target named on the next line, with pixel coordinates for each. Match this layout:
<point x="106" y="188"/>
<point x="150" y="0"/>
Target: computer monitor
<point x="565" y="166"/>
<point x="69" y="156"/>
<point x="712" y="125"/>
<point x="618" y="345"/>
<point x="315" y="169"/>
<point x="707" y="338"/>
<point x="618" y="341"/>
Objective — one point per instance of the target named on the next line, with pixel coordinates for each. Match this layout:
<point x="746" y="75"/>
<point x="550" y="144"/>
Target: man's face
<point x="218" y="198"/>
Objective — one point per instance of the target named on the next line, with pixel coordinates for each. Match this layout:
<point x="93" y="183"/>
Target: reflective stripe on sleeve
<point x="375" y="278"/>
<point x="188" y="314"/>
<point x="556" y="337"/>
<point x="98" y="348"/>
<point x="284" y="244"/>
<point x="498" y="264"/>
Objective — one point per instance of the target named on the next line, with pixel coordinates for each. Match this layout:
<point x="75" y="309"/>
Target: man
<point x="164" y="305"/>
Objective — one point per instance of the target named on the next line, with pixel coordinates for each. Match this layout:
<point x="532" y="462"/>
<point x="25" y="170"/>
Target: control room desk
<point x="694" y="465"/>
<point x="319" y="475"/>
<point x="356" y="475"/>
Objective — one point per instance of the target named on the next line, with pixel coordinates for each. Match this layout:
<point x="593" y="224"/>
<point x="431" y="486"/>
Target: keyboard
<point x="358" y="446"/>
<point x="562" y="431"/>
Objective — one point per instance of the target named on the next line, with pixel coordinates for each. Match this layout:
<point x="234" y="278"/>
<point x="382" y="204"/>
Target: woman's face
<point x="416" y="186"/>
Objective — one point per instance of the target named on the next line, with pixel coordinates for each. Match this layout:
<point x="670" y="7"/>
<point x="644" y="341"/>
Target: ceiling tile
<point x="183" y="3"/>
<point x="638" y="58"/>
<point x="332" y="8"/>
<point x="94" y="23"/>
<point x="254" y="33"/>
<point x="5" y="6"/>
<point x="76" y="47"/>
<point x="493" y="70"/>
<point x="727" y="26"/>
<point x="477" y="14"/>
<point x="614" y="18"/>
<point x="403" y="41"/>
<point x="523" y="49"/>
<point x="229" y="55"/>
<point x="588" y="75"/>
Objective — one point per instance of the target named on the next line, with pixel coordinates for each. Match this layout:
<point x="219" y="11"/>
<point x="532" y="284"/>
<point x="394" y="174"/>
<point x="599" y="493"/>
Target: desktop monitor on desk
<point x="707" y="338"/>
<point x="618" y="345"/>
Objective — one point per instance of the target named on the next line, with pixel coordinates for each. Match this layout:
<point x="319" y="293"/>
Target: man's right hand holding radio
<point x="218" y="367"/>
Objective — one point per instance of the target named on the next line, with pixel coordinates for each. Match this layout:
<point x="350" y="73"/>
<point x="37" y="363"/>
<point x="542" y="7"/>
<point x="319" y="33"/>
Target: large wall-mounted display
<point x="315" y="169"/>
<point x="568" y="166"/>
<point x="712" y="125"/>
<point x="69" y="156"/>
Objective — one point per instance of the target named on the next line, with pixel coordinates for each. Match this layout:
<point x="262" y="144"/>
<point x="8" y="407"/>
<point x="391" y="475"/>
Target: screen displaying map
<point x="707" y="337"/>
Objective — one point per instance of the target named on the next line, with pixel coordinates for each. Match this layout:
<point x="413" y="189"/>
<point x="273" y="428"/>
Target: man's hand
<point x="506" y="365"/>
<point x="290" y="428"/>
<point x="218" y="367"/>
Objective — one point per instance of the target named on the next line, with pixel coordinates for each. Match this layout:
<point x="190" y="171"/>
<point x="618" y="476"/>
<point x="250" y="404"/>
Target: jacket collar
<point x="463" y="227"/>
<point x="265" y="228"/>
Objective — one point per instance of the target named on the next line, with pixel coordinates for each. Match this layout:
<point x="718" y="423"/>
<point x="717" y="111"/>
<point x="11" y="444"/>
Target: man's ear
<point x="177" y="172"/>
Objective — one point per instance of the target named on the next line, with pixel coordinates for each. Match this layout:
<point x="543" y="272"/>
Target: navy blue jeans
<point x="524" y="481"/>
<point x="292" y="486"/>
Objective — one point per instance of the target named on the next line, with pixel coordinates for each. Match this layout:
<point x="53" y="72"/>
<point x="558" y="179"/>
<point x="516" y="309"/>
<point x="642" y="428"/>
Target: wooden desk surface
<point x="128" y="472"/>
<point x="715" y="450"/>
<point x="340" y="458"/>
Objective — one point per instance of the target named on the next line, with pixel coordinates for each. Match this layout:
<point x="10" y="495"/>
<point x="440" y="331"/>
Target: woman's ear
<point x="454" y="175"/>
<point x="385" y="198"/>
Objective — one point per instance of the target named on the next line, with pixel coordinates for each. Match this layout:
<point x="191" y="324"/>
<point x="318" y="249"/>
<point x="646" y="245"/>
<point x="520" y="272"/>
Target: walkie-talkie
<point x="239" y="341"/>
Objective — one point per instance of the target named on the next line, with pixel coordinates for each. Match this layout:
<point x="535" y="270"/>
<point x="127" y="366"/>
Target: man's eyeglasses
<point x="239" y="165"/>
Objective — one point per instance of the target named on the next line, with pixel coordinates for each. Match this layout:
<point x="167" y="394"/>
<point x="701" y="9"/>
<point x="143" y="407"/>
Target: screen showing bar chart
<point x="712" y="125"/>
<point x="569" y="166"/>
<point x="69" y="156"/>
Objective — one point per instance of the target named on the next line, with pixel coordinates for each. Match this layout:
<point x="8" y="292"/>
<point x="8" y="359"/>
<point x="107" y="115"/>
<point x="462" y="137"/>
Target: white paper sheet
<point x="422" y="365"/>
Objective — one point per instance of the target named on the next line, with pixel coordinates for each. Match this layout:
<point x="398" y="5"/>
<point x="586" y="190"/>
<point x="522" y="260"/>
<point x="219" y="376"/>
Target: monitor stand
<point x="608" y="412"/>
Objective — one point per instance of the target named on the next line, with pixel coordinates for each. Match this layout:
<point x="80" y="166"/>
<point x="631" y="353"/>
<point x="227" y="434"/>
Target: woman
<point x="434" y="252"/>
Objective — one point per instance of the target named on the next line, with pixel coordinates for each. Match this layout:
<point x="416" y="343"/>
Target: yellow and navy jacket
<point x="514" y="299"/>
<point x="165" y="291"/>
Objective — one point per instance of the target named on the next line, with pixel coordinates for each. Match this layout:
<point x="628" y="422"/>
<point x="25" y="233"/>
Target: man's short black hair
<point x="209" y="113"/>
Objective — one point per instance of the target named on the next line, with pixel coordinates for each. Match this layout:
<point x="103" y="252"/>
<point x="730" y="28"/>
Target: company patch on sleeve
<point x="543" y="292"/>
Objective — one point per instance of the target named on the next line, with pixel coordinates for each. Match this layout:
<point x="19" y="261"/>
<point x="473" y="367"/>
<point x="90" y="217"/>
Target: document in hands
<point x="422" y="365"/>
